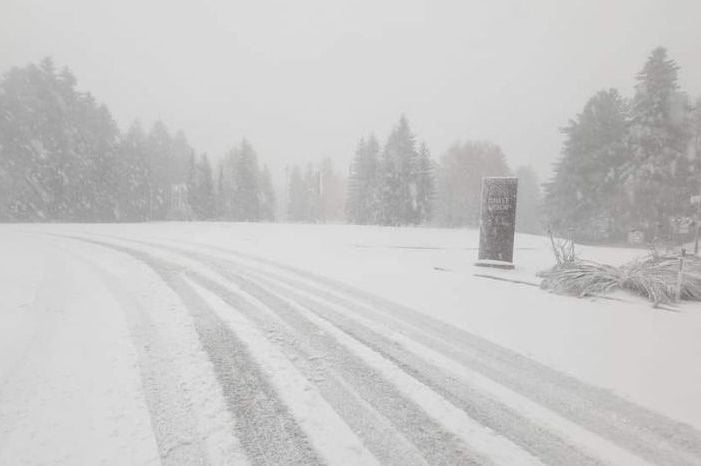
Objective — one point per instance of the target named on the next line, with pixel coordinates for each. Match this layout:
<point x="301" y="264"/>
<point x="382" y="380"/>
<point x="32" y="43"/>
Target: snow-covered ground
<point x="219" y="343"/>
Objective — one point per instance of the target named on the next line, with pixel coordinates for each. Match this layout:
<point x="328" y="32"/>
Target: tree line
<point x="244" y="189"/>
<point x="629" y="164"/>
<point x="315" y="194"/>
<point x="63" y="158"/>
<point x="394" y="186"/>
<point x="400" y="184"/>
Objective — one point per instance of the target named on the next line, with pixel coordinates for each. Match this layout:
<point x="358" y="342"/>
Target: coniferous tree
<point x="180" y="155"/>
<point x="659" y="175"/>
<point x="586" y="193"/>
<point x="354" y="210"/>
<point x="98" y="194"/>
<point x="193" y="184"/>
<point x="57" y="148"/>
<point x="311" y="194"/>
<point x="62" y="157"/>
<point x="133" y="176"/>
<point x="182" y="163"/>
<point x="395" y="187"/>
<point x="267" y="195"/>
<point x="695" y="147"/>
<point x="628" y="166"/>
<point x="222" y="195"/>
<point x="396" y="167"/>
<point x="245" y="194"/>
<point x="423" y="186"/>
<point x="364" y="189"/>
<point x="296" y="209"/>
<point x="200" y="188"/>
<point x="159" y="157"/>
<point x="208" y="201"/>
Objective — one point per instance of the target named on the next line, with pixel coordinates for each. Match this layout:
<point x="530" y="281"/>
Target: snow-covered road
<point x="126" y="348"/>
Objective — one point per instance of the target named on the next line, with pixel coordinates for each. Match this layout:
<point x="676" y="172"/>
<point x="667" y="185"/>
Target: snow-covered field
<point x="218" y="343"/>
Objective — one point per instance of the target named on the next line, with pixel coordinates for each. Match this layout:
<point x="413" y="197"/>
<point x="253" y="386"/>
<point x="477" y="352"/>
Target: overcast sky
<point x="306" y="79"/>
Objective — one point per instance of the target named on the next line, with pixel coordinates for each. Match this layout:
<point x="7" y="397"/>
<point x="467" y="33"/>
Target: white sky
<point x="306" y="79"/>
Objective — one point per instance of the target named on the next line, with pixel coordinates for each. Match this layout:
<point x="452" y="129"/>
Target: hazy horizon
<point x="306" y="80"/>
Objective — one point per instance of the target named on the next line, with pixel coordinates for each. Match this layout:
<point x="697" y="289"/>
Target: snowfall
<point x="225" y="343"/>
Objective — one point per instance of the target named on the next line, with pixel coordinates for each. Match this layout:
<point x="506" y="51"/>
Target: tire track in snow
<point x="481" y="439"/>
<point x="264" y="426"/>
<point x="436" y="444"/>
<point x="171" y="417"/>
<point x="537" y="440"/>
<point x="376" y="431"/>
<point x="331" y="436"/>
<point x="543" y="433"/>
<point x="648" y="434"/>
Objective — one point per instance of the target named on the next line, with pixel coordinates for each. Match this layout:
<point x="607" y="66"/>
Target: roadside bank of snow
<point x="69" y="387"/>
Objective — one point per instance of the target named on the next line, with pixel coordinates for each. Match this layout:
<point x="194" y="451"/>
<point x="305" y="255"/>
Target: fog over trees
<point x="460" y="175"/>
<point x="629" y="164"/>
<point x="314" y="193"/>
<point x="394" y="186"/>
<point x="626" y="164"/>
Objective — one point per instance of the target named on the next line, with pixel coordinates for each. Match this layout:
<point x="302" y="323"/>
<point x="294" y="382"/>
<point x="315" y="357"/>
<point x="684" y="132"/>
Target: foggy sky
<point x="306" y="79"/>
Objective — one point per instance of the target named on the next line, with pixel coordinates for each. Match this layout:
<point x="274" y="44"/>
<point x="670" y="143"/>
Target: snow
<point x="482" y="439"/>
<point x="91" y="337"/>
<point x="596" y="445"/>
<point x="332" y="437"/>
<point x="67" y="395"/>
<point x="188" y="412"/>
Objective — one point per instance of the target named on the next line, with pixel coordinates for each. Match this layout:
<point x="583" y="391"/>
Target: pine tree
<point x="354" y="199"/>
<point x="208" y="201"/>
<point x="193" y="185"/>
<point x="296" y="208"/>
<point x="159" y="145"/>
<point x="62" y="157"/>
<point x="101" y="201"/>
<point x="311" y="194"/>
<point x="132" y="174"/>
<point x="695" y="147"/>
<point x="180" y="155"/>
<point x="364" y="190"/>
<point x="179" y="171"/>
<point x="246" y="193"/>
<point x="57" y="148"/>
<point x="222" y="195"/>
<point x="423" y="189"/>
<point x="267" y="195"/>
<point x="659" y="175"/>
<point x="397" y="161"/>
<point x="200" y="188"/>
<point x="586" y="192"/>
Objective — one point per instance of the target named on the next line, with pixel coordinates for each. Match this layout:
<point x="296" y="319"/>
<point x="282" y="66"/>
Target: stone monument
<point x="497" y="222"/>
